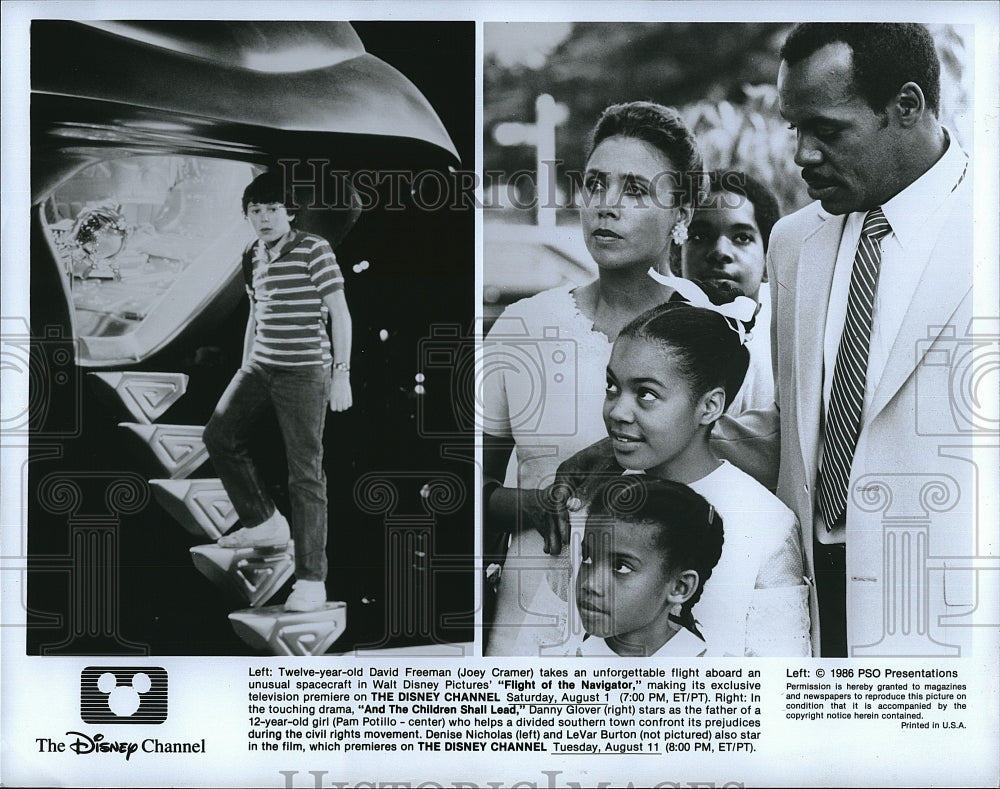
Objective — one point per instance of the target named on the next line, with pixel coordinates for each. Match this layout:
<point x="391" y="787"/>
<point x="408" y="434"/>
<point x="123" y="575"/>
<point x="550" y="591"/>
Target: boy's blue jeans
<point x="300" y="396"/>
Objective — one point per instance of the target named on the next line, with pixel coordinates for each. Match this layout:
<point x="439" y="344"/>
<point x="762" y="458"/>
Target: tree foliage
<point x="721" y="77"/>
<point x="599" y="64"/>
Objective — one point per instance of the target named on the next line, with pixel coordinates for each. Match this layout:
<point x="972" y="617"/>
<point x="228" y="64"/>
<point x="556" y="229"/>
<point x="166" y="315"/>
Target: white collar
<point x="684" y="643"/>
<point x="270" y="254"/>
<point x="907" y="212"/>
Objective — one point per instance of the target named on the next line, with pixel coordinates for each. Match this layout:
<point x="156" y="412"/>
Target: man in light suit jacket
<point x="863" y="100"/>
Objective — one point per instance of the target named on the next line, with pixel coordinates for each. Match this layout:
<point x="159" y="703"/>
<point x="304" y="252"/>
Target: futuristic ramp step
<point x="177" y="450"/>
<point x="247" y="574"/>
<point x="141" y="396"/>
<point x="201" y="506"/>
<point x="281" y="632"/>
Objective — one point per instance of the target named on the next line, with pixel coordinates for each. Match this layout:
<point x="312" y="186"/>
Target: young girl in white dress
<point x="672" y="372"/>
<point x="648" y="550"/>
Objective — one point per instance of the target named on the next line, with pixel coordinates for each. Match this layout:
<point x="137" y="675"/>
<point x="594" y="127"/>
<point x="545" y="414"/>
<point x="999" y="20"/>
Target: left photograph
<point x="252" y="274"/>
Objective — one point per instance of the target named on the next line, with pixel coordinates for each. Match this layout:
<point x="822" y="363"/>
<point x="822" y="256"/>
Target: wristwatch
<point x="342" y="366"/>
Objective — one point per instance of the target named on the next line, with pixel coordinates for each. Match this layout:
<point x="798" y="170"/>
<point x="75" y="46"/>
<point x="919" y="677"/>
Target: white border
<point x="39" y="695"/>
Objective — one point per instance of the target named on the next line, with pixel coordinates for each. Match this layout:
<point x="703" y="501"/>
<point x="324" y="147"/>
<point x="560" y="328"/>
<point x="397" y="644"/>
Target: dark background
<point x="106" y="583"/>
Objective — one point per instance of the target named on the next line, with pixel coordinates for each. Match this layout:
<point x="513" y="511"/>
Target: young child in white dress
<point x="648" y="549"/>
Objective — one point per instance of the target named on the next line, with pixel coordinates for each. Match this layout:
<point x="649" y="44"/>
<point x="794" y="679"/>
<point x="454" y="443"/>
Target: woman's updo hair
<point x="689" y="532"/>
<point x="706" y="349"/>
<point x="660" y="126"/>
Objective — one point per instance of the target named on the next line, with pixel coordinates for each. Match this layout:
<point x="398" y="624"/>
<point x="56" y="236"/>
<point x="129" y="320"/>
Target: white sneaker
<point x="272" y="533"/>
<point x="306" y="596"/>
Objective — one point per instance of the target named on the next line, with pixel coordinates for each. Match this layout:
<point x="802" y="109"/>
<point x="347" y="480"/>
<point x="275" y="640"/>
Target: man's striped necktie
<point x="847" y="397"/>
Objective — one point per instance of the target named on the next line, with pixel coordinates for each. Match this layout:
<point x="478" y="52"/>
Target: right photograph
<point x="730" y="388"/>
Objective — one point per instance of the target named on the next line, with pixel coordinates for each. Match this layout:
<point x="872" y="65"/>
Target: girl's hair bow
<point x="738" y="312"/>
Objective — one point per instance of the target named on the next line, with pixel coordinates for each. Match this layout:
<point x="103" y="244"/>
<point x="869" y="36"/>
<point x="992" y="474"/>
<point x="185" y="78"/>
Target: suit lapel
<point x="813" y="279"/>
<point x="944" y="283"/>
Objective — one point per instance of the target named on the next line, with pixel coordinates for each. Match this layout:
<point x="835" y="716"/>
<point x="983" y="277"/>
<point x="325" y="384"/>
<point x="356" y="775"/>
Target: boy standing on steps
<point x="289" y="362"/>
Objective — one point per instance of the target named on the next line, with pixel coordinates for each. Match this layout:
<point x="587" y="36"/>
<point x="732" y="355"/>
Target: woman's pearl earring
<point x="679" y="233"/>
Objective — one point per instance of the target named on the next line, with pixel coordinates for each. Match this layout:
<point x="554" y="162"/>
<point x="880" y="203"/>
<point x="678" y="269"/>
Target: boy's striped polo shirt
<point x="289" y="283"/>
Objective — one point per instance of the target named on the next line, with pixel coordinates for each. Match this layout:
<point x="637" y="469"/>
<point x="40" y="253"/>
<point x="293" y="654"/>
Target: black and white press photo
<point x="248" y="259"/>
<point x="738" y="257"/>
<point x="475" y="394"/>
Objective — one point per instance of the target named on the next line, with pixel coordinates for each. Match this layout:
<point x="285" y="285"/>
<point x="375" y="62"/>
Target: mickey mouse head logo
<point x="123" y="694"/>
<point x="124" y="701"/>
